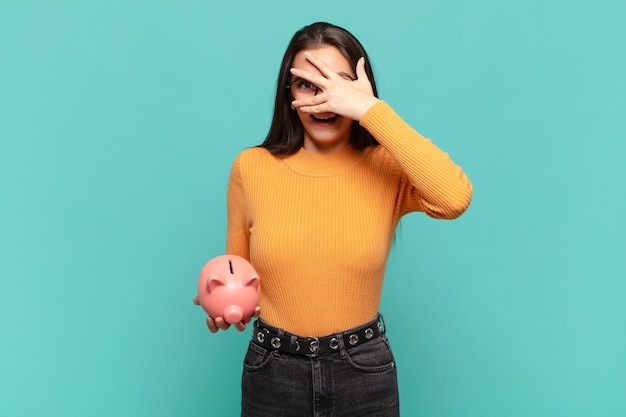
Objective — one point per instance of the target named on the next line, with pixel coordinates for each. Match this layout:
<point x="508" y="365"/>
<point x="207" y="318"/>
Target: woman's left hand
<point x="347" y="98"/>
<point x="215" y="324"/>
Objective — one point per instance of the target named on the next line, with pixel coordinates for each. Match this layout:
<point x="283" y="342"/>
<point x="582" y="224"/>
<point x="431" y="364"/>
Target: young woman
<point x="314" y="208"/>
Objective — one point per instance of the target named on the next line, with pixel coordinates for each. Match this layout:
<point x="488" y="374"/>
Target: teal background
<point x="118" y="124"/>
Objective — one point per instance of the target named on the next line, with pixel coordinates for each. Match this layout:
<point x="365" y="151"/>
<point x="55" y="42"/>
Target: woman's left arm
<point x="444" y="189"/>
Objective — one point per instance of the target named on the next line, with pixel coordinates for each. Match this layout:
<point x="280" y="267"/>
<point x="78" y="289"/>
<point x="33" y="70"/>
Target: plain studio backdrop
<point x="119" y="121"/>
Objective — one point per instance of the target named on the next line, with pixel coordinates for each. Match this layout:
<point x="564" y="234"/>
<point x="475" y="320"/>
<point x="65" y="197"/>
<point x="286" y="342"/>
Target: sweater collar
<point x="323" y="165"/>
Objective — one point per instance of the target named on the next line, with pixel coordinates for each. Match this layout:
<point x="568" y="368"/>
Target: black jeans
<point x="354" y="381"/>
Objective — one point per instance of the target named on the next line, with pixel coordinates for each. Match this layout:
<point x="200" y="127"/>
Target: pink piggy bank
<point x="228" y="287"/>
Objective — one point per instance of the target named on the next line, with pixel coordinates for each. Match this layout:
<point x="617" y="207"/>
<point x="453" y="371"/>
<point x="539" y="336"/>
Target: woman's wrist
<point x="365" y="106"/>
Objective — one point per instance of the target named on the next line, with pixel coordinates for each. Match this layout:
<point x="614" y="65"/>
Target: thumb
<point x="360" y="69"/>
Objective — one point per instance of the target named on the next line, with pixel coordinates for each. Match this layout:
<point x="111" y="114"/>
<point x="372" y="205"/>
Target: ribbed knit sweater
<point x="318" y="227"/>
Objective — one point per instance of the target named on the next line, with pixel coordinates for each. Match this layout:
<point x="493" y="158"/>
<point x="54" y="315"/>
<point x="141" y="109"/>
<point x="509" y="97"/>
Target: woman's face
<point x="324" y="132"/>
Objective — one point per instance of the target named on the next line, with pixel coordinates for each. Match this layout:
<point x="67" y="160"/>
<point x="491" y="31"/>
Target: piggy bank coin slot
<point x="230" y="265"/>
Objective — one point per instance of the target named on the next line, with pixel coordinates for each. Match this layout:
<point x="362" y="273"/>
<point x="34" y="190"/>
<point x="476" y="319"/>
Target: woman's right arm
<point x="237" y="239"/>
<point x="238" y="230"/>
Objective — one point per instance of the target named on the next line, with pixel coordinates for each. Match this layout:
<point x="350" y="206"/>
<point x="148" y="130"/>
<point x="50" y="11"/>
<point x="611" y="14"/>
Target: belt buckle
<point x="313" y="348"/>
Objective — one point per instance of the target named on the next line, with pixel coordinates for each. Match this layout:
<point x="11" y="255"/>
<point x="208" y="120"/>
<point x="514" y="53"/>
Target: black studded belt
<point x="273" y="338"/>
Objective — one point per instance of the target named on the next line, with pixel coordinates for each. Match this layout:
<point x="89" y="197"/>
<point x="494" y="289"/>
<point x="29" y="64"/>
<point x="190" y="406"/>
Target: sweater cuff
<point x="374" y="112"/>
<point x="383" y="122"/>
<point x="378" y="117"/>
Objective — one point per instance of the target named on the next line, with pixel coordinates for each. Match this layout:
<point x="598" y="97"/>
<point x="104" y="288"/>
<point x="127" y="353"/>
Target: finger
<point x="211" y="324"/>
<point x="221" y="323"/>
<point x="196" y="300"/>
<point x="257" y="311"/>
<point x="360" y="69"/>
<point x="362" y="77"/>
<point x="314" y="109"/>
<point x="310" y="101"/>
<point x="241" y="326"/>
<point x="326" y="70"/>
<point x="316" y="79"/>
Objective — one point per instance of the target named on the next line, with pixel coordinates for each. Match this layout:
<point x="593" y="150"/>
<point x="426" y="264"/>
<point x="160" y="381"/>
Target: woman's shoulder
<point x="376" y="155"/>
<point x="253" y="154"/>
<point x="379" y="159"/>
<point x="254" y="158"/>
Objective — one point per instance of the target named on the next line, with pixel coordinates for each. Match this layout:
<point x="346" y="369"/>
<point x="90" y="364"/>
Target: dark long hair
<point x="286" y="134"/>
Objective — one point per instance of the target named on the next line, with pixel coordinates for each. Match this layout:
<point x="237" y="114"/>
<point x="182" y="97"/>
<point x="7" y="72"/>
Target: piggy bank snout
<point x="233" y="314"/>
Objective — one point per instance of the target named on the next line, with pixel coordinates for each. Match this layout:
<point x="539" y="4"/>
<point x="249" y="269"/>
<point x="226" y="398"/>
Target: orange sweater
<point x="318" y="228"/>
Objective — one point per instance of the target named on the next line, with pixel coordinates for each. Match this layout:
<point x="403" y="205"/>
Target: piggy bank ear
<point x="253" y="281"/>
<point x="214" y="281"/>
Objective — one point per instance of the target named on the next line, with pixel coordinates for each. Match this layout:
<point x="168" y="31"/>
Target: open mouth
<point x="324" y="118"/>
